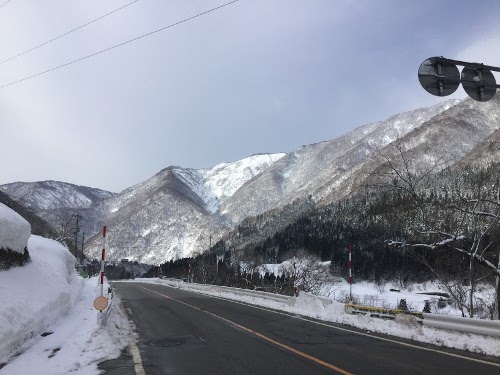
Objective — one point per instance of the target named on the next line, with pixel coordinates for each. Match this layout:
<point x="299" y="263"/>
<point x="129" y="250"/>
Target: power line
<point x="62" y="35"/>
<point x="118" y="45"/>
<point x="8" y="1"/>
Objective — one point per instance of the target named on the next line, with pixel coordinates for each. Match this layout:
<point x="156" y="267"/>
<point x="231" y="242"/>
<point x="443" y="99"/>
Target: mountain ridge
<point x="179" y="211"/>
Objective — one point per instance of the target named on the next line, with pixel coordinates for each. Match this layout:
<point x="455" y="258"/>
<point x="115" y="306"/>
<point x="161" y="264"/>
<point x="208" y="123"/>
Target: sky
<point x="255" y="76"/>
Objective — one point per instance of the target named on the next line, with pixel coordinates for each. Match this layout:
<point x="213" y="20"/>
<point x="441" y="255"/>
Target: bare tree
<point x="399" y="171"/>
<point x="475" y="230"/>
<point x="311" y="276"/>
<point x="476" y="239"/>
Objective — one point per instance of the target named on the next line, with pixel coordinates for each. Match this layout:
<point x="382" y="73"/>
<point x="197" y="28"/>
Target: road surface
<point x="187" y="333"/>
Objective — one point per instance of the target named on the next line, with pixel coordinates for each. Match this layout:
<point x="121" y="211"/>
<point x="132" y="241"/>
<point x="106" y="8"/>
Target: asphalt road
<point x="187" y="333"/>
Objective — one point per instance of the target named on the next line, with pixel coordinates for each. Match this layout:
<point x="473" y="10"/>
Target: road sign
<point x="479" y="84"/>
<point x="439" y="77"/>
<point x="100" y="303"/>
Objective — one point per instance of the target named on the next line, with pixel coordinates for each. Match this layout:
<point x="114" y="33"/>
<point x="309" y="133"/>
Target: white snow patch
<point x="14" y="230"/>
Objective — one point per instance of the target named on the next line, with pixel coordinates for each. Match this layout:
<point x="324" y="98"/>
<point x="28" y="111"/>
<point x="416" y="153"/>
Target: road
<point x="187" y="333"/>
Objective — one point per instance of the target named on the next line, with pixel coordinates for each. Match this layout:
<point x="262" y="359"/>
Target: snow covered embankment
<point x="37" y="295"/>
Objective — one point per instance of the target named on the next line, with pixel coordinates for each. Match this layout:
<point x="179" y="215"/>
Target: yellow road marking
<point x="295" y="351"/>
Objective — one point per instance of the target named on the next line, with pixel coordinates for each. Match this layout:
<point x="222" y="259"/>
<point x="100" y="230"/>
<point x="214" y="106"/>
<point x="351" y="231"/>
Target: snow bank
<point x="48" y="296"/>
<point x="78" y="343"/>
<point x="14" y="230"/>
<point x="37" y="295"/>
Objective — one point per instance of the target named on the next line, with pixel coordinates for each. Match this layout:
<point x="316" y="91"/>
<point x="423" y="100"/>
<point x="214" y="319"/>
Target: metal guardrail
<point x="246" y="292"/>
<point x="453" y="323"/>
<point x="457" y="323"/>
<point x="257" y="293"/>
<point x="379" y="312"/>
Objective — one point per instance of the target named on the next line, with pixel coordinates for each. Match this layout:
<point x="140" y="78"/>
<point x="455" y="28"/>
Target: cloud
<point x="484" y="50"/>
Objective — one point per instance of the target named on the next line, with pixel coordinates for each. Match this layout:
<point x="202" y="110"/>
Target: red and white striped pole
<point x="350" y="273"/>
<point x="102" y="258"/>
<point x="294" y="276"/>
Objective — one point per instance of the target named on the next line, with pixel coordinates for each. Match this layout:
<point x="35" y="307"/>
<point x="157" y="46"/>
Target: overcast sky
<point x="257" y="76"/>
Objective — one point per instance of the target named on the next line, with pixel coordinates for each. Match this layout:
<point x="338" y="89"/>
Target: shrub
<point x="9" y="258"/>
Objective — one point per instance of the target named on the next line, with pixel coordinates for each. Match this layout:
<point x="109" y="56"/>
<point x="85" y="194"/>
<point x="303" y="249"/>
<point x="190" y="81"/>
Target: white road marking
<point x="136" y="356"/>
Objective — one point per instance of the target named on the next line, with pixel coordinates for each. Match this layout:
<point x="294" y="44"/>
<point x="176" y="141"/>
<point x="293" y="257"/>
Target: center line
<point x="295" y="351"/>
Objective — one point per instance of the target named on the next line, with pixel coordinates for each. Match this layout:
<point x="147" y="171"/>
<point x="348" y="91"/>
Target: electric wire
<point x="8" y="1"/>
<point x="66" y="33"/>
<point x="118" y="45"/>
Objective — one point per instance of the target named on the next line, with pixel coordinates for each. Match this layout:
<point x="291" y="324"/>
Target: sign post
<point x="102" y="258"/>
<point x="101" y="302"/>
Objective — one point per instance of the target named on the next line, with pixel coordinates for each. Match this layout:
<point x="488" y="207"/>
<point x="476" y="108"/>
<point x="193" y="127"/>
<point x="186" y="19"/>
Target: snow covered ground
<point x="333" y="311"/>
<point x="387" y="295"/>
<point x="48" y="324"/>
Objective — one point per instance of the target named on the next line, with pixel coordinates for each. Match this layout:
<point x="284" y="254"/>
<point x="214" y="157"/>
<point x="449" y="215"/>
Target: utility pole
<point x="77" y="229"/>
<point x="83" y="240"/>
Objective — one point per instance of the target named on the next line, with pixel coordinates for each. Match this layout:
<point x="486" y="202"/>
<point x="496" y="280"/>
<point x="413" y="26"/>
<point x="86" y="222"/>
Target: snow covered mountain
<point x="50" y="195"/>
<point x="180" y="211"/>
<point x="175" y="213"/>
<point x="321" y="169"/>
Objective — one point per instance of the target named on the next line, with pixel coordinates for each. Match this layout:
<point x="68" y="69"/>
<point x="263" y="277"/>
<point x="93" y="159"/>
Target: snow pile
<point x="35" y="296"/>
<point x="308" y="305"/>
<point x="14" y="230"/>
<point x="47" y="297"/>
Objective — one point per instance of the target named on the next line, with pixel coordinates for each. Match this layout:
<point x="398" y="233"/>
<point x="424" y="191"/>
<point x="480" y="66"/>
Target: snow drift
<point x="14" y="230"/>
<point x="35" y="296"/>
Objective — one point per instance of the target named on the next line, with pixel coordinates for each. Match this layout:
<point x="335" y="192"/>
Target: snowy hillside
<point x="50" y="195"/>
<point x="216" y="184"/>
<point x="319" y="169"/>
<point x="173" y="214"/>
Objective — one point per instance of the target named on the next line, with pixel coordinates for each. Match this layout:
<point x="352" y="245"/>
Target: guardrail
<point x="453" y="323"/>
<point x="457" y="323"/>
<point x="257" y="293"/>
<point x="246" y="292"/>
<point x="379" y="312"/>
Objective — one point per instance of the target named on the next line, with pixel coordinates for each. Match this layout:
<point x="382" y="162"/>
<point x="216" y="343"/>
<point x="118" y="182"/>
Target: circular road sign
<point x="479" y="84"/>
<point x="438" y="77"/>
<point x="100" y="303"/>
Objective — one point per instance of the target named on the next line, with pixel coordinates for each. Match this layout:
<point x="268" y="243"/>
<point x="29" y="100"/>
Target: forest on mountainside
<point x="382" y="222"/>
